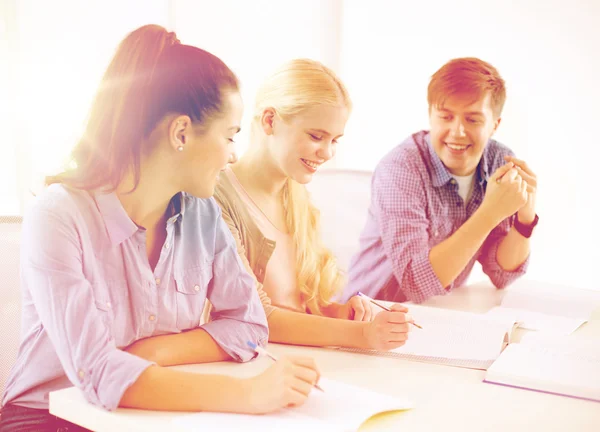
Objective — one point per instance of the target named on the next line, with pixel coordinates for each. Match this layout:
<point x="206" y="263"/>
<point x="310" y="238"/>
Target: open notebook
<point x="340" y="408"/>
<point x="563" y="366"/>
<point x="547" y="307"/>
<point x="453" y="338"/>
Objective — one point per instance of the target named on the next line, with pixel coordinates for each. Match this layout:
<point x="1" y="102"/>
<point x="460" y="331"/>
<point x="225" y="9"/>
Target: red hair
<point x="151" y="75"/>
<point x="470" y="77"/>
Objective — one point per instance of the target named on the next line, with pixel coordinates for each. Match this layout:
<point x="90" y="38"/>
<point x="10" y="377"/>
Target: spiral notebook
<point x="340" y="408"/>
<point x="453" y="338"/>
<point x="546" y="363"/>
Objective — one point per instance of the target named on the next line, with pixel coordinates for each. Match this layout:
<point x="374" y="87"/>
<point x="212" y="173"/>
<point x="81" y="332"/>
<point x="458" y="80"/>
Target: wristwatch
<point x="525" y="230"/>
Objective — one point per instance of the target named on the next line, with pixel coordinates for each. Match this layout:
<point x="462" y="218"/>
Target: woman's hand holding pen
<point x="388" y="330"/>
<point x="288" y="382"/>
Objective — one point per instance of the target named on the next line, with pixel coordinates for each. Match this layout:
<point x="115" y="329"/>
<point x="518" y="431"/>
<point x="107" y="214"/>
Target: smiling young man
<point x="448" y="197"/>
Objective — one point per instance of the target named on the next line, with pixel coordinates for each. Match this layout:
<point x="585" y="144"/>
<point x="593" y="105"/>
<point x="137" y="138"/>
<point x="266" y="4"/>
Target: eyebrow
<point x="236" y="128"/>
<point x="467" y="113"/>
<point x="324" y="132"/>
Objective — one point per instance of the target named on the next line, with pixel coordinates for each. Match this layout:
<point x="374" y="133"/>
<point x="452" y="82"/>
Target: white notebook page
<point x="455" y="334"/>
<point x="550" y="364"/>
<point x="342" y="407"/>
<point x="552" y="300"/>
<point x="454" y="338"/>
<point x="547" y="307"/>
<point x="530" y="320"/>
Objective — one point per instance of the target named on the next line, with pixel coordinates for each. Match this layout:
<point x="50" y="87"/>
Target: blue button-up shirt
<point x="88" y="291"/>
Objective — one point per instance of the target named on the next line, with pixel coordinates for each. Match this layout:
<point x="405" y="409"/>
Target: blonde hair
<point x="296" y="86"/>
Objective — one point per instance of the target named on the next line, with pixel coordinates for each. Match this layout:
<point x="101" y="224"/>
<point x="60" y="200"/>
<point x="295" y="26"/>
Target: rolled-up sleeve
<point x="400" y="211"/>
<point x="489" y="261"/>
<point x="237" y="316"/>
<point x="52" y="271"/>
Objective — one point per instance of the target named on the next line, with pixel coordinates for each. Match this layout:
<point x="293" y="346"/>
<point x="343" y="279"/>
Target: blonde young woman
<point x="300" y="113"/>
<point x="120" y="254"/>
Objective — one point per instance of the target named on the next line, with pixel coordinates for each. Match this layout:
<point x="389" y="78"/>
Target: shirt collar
<point x="441" y="175"/>
<point x="483" y="169"/>
<point x="118" y="223"/>
<point x="176" y="207"/>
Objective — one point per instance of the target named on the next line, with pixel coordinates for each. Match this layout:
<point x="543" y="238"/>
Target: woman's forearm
<point x="164" y="389"/>
<point x="193" y="346"/>
<point x="303" y="329"/>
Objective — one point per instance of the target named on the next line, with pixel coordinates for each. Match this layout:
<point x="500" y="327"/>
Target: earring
<point x="180" y="148"/>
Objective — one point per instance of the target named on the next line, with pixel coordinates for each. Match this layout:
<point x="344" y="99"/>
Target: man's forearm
<point x="450" y="257"/>
<point x="512" y="251"/>
<point x="193" y="346"/>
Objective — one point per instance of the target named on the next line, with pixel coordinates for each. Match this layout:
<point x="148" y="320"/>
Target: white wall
<point x="548" y="54"/>
<point x="9" y="202"/>
<point x="58" y="51"/>
<point x="57" y="54"/>
<point x="255" y="37"/>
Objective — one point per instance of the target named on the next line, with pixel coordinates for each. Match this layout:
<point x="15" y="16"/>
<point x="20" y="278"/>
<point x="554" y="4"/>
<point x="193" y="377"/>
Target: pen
<point x="384" y="307"/>
<point x="260" y="350"/>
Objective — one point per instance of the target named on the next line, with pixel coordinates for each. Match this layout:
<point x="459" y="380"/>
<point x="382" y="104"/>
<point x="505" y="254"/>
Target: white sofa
<point x="10" y="296"/>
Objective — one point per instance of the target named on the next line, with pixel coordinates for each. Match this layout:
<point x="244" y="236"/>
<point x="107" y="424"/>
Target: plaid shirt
<point x="414" y="206"/>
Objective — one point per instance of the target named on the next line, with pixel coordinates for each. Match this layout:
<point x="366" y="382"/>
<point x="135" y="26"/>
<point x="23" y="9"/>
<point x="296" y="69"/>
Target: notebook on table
<point x="453" y="338"/>
<point x="547" y="307"/>
<point x="557" y="365"/>
<point x="340" y="408"/>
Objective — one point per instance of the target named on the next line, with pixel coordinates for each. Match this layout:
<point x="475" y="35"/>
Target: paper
<point x="455" y="335"/>
<point x="342" y="407"/>
<point x="454" y="338"/>
<point x="529" y="320"/>
<point x="547" y="307"/>
<point x="564" y="366"/>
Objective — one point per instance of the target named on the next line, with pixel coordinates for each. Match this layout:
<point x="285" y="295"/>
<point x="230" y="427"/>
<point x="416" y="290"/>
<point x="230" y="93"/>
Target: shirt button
<point x="197" y="287"/>
<point x="108" y="305"/>
<point x="437" y="233"/>
<point x="81" y="374"/>
<point x="166" y="246"/>
<point x="151" y="317"/>
<point x="157" y="280"/>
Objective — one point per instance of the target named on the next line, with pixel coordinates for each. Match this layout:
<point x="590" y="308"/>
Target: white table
<point x="445" y="398"/>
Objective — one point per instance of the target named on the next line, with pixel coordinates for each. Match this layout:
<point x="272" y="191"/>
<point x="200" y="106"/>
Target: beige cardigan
<point x="254" y="248"/>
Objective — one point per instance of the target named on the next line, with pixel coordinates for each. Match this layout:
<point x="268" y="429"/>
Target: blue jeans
<point x="16" y="418"/>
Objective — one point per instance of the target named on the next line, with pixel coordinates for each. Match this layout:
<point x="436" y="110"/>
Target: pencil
<point x="385" y="307"/>
<point x="262" y="351"/>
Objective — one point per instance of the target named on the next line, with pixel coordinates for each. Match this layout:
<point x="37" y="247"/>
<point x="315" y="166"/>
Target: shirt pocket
<point x="191" y="288"/>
